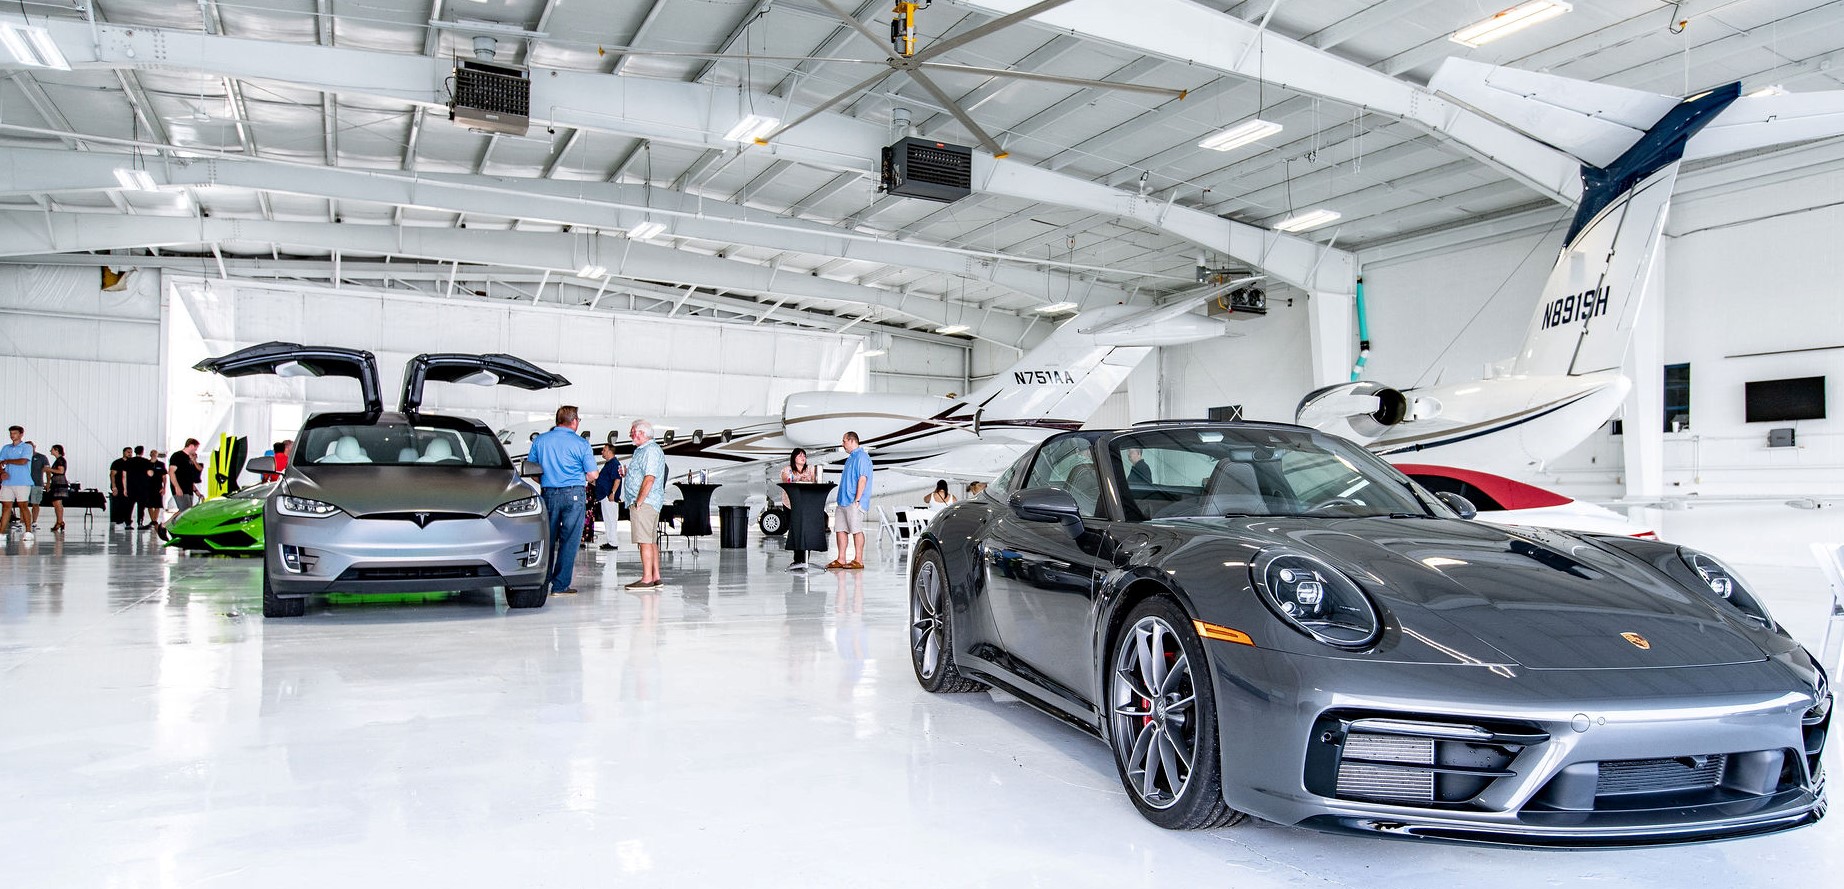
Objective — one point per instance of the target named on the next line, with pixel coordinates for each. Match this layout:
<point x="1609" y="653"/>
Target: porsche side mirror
<point x="1047" y="505"/>
<point x="1458" y="504"/>
<point x="530" y="469"/>
<point x="261" y="466"/>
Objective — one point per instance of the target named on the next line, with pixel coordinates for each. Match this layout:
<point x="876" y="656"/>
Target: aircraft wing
<point x="1689" y="501"/>
<point x="968" y="463"/>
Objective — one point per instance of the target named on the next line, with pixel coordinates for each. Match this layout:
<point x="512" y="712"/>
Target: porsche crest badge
<point x="1637" y="640"/>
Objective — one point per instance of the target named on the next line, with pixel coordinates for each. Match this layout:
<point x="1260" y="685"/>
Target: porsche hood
<point x="1545" y="601"/>
<point x="363" y="490"/>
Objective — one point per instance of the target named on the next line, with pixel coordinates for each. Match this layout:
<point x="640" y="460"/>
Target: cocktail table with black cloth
<point x="695" y="509"/>
<point x="807" y="521"/>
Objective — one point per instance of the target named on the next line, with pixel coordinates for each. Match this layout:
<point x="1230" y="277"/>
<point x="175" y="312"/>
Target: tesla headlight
<point x="522" y="507"/>
<point x="1726" y="585"/>
<point x="1316" y="599"/>
<point x="304" y="507"/>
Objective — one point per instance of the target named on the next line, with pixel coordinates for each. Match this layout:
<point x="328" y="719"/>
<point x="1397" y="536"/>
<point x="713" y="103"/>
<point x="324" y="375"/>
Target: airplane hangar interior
<point x="807" y="443"/>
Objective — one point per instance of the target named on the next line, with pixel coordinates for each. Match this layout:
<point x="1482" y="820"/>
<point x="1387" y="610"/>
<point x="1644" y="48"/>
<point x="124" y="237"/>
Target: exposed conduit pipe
<point x="1363" y="334"/>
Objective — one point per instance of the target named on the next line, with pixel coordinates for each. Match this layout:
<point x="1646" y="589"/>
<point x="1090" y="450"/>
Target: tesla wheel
<point x="526" y="596"/>
<point x="1162" y="720"/>
<point x="774" y="520"/>
<point x="931" y="649"/>
<point x="276" y="606"/>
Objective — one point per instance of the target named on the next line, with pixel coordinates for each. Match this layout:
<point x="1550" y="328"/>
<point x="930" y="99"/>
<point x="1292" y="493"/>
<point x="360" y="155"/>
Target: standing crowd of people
<point x="139" y="484"/>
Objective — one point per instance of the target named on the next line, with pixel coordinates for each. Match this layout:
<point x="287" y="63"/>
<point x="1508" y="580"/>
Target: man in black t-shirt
<point x="184" y="475"/>
<point x="121" y="509"/>
<point x="142" y="486"/>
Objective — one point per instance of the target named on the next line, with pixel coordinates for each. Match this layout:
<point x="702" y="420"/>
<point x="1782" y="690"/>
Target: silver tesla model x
<point x="403" y="501"/>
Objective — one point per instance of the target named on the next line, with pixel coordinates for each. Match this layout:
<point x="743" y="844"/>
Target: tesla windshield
<point x="1255" y="472"/>
<point x="399" y="444"/>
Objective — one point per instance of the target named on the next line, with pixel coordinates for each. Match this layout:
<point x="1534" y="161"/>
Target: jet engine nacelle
<point x="1360" y="411"/>
<point x="820" y="419"/>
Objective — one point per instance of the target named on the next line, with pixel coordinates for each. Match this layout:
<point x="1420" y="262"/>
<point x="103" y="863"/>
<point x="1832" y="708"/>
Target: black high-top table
<point x="807" y="522"/>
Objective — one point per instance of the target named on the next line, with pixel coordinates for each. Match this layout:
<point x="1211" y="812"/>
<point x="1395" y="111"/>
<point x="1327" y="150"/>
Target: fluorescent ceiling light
<point x="1764" y="92"/>
<point x="135" y="180"/>
<point x="592" y="271"/>
<point x="1241" y="134"/>
<point x="752" y="128"/>
<point x="32" y="45"/>
<point x="647" y="230"/>
<point x="1509" y="21"/>
<point x="1054" y="308"/>
<point x="1309" y="219"/>
<point x="952" y="329"/>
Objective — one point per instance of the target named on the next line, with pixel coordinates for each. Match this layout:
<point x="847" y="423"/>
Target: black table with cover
<point x="807" y="521"/>
<point x="695" y="509"/>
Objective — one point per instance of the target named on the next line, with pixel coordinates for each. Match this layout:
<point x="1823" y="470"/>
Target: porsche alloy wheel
<point x="931" y="651"/>
<point x="1162" y="720"/>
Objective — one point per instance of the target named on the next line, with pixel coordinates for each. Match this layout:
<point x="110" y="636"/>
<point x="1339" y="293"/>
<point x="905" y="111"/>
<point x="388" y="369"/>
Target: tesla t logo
<point x="422" y="521"/>
<point x="1637" y="640"/>
<point x="1043" y="377"/>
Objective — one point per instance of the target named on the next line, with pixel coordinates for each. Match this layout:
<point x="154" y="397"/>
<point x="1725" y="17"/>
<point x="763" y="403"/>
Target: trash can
<point x="734" y="526"/>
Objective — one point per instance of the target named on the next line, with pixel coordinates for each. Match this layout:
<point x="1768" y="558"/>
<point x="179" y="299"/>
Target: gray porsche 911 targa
<point x="404" y="501"/>
<point x="1266" y="620"/>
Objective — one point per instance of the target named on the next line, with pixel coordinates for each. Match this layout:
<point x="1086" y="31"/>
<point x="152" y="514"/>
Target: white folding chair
<point x="905" y="531"/>
<point x="886" y="527"/>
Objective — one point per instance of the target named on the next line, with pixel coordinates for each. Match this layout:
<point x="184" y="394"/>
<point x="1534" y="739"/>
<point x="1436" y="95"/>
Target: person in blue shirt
<point x="643" y="490"/>
<point x="15" y="481"/>
<point x="853" y="502"/>
<point x="569" y="467"/>
<point x="605" y="492"/>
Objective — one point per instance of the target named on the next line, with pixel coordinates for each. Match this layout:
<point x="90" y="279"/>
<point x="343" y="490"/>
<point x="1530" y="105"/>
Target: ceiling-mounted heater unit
<point x="930" y="170"/>
<point x="1241" y="304"/>
<point x="492" y="98"/>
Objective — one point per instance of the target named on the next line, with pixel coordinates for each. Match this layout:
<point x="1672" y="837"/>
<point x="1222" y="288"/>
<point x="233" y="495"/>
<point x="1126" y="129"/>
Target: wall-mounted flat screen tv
<point x="1776" y="401"/>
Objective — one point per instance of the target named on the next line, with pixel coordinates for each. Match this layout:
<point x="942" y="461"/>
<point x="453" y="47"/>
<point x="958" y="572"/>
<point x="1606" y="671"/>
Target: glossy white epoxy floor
<point x="741" y="728"/>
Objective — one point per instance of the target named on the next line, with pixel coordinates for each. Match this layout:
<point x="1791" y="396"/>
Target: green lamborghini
<point x="228" y="525"/>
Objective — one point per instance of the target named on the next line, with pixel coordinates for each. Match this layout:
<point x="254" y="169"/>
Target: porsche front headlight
<point x="522" y="507"/>
<point x="304" y="507"/>
<point x="1726" y="585"/>
<point x="1316" y="599"/>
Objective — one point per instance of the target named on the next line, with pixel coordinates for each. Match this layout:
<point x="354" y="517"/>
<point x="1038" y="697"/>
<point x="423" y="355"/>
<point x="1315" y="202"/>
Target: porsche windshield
<point x="1255" y="472"/>
<point x="399" y="444"/>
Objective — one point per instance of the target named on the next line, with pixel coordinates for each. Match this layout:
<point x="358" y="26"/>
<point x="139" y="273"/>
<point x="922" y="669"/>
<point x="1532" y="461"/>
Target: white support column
<point x="1333" y="331"/>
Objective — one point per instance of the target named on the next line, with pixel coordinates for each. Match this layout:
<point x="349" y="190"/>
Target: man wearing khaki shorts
<point x="853" y="501"/>
<point x="643" y="490"/>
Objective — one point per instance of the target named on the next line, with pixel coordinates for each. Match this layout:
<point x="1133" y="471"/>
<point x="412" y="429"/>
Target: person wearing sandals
<point x="57" y="485"/>
<point x="798" y="470"/>
<point x="644" y="494"/>
<point x="853" y="501"/>
<point x="15" y="479"/>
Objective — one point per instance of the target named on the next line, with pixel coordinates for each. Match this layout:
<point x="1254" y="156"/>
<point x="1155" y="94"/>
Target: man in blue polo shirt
<point x="15" y="481"/>
<point x="569" y="467"/>
<point x="853" y="502"/>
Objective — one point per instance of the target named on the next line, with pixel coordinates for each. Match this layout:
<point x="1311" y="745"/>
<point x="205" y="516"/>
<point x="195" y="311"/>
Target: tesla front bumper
<point x="402" y="552"/>
<point x="1523" y="757"/>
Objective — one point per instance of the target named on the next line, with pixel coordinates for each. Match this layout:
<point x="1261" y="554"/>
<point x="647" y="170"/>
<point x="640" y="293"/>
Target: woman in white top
<point x="798" y="470"/>
<point x="940" y="496"/>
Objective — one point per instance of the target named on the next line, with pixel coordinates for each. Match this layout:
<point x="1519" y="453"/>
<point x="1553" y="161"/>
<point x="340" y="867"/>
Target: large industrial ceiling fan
<point x="901" y="55"/>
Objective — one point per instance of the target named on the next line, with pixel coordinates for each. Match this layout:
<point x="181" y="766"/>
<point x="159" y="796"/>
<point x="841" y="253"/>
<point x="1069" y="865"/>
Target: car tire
<point x="931" y="640"/>
<point x="276" y="606"/>
<point x="1161" y="713"/>
<point x="526" y="596"/>
<point x="773" y="522"/>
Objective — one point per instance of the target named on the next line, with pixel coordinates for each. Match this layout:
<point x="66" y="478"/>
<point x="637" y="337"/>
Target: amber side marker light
<point x="1222" y="634"/>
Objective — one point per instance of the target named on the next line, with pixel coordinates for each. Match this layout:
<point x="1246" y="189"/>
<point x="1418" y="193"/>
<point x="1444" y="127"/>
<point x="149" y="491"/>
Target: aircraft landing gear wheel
<point x="276" y="606"/>
<point x="774" y="521"/>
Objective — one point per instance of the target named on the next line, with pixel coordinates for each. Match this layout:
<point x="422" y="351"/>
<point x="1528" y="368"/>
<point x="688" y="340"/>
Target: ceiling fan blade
<point x="1053" y="78"/>
<point x="954" y="108"/>
<point x="975" y="33"/>
<point x="881" y="42"/>
<point x="821" y="108"/>
<point x="729" y="56"/>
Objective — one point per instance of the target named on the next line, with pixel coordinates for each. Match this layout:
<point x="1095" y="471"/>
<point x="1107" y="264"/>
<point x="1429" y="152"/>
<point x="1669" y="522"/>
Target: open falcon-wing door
<point x="296" y="360"/>
<point x="476" y="370"/>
